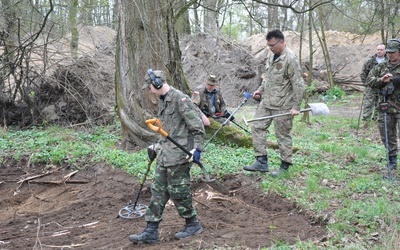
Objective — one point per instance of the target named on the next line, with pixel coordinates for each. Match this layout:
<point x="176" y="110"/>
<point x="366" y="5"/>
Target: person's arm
<point x="375" y="79"/>
<point x="222" y="103"/>
<point x="296" y="79"/>
<point x="194" y="122"/>
<point x="364" y="72"/>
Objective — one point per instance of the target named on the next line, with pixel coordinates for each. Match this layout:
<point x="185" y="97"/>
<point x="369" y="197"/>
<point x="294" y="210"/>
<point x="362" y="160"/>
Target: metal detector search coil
<point x="132" y="211"/>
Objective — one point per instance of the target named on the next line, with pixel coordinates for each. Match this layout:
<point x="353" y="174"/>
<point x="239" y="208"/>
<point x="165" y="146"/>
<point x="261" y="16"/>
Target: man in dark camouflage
<point x="371" y="95"/>
<point x="379" y="78"/>
<point x="180" y="120"/>
<point x="208" y="97"/>
<point x="281" y="91"/>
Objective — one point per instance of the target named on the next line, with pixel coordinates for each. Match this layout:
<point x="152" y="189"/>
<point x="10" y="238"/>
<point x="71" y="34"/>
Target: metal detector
<point x="134" y="211"/>
<point x="384" y="106"/>
<point x="246" y="97"/>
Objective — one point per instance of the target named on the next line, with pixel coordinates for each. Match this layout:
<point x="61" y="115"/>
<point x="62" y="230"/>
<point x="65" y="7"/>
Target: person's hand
<point x="257" y="95"/>
<point x="294" y="112"/>
<point x="196" y="155"/>
<point x="217" y="114"/>
<point x="206" y="121"/>
<point x="386" y="78"/>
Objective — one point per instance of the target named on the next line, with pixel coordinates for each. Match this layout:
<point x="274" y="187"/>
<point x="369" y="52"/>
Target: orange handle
<point x="155" y="125"/>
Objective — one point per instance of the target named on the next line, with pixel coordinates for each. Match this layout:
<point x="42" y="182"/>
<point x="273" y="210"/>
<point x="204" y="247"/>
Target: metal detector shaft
<point x="237" y="124"/>
<point x="247" y="96"/>
<point x="155" y="125"/>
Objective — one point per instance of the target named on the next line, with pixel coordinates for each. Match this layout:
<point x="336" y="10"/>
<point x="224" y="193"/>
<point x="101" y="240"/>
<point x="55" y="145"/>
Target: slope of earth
<point x="51" y="207"/>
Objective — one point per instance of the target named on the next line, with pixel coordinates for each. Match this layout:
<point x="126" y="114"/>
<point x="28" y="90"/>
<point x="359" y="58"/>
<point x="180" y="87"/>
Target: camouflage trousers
<point x="370" y="104"/>
<point x="393" y="123"/>
<point x="170" y="183"/>
<point x="282" y="125"/>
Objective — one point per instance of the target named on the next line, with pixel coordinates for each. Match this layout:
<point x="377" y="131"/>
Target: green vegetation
<point x="337" y="176"/>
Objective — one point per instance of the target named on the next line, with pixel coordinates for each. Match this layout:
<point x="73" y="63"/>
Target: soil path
<point x="63" y="209"/>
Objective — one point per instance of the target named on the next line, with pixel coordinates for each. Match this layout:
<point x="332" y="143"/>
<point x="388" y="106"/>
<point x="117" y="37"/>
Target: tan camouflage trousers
<point x="282" y="126"/>
<point x="170" y="183"/>
<point x="370" y="104"/>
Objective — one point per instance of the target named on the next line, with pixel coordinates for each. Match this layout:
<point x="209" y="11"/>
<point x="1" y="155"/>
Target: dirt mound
<point x="239" y="64"/>
<point x="52" y="207"/>
<point x="77" y="93"/>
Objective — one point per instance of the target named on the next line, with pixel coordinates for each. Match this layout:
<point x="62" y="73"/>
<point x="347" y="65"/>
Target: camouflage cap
<point x="158" y="74"/>
<point x="212" y="80"/>
<point x="393" y="45"/>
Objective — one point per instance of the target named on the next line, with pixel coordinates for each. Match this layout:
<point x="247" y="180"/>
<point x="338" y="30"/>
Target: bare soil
<point x="67" y="210"/>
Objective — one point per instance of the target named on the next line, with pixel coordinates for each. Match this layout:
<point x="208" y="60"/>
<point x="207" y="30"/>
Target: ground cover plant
<point x="338" y="182"/>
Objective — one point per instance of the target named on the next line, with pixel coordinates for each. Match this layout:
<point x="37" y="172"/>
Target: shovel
<point x="155" y="125"/>
<point x="315" y="108"/>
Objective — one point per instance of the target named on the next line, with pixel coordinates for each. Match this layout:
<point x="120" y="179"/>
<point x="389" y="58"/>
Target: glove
<point x="196" y="155"/>
<point x="151" y="152"/>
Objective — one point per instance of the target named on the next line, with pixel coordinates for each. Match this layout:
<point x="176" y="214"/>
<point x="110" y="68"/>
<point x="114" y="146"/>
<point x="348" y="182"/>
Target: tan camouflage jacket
<point x="283" y="85"/>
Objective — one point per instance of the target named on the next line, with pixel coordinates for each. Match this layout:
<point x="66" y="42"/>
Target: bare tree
<point x="73" y="11"/>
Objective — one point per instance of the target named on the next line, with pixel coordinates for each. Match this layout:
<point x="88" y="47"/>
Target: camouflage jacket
<point x="368" y="65"/>
<point x="182" y="123"/>
<point x="374" y="81"/>
<point x="204" y="100"/>
<point x="283" y="85"/>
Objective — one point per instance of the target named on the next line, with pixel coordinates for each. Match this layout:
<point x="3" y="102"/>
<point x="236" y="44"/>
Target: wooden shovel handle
<point x="155" y="125"/>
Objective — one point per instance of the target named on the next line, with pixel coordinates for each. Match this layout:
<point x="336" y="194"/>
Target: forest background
<point x="68" y="68"/>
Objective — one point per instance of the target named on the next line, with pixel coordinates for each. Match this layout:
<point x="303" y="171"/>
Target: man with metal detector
<point x="208" y="97"/>
<point x="281" y="91"/>
<point x="178" y="115"/>
<point x="386" y="78"/>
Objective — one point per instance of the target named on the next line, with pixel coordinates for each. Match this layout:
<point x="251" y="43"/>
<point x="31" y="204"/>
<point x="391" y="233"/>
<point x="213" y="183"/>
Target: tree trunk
<point x="182" y="23"/>
<point x="73" y="11"/>
<point x="210" y="16"/>
<point x="146" y="39"/>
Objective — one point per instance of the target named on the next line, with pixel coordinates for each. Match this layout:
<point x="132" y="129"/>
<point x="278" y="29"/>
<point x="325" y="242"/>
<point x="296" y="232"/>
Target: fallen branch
<point x="34" y="177"/>
<point x="59" y="182"/>
<point x="64" y="246"/>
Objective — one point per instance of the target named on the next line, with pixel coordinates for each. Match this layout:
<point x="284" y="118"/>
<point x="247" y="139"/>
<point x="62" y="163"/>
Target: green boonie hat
<point x="212" y="80"/>
<point x="158" y="73"/>
<point x="393" y="45"/>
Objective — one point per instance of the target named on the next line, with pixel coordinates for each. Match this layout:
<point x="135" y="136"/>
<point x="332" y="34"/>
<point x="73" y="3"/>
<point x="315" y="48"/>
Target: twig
<point x="64" y="246"/>
<point x="34" y="177"/>
<point x="200" y="202"/>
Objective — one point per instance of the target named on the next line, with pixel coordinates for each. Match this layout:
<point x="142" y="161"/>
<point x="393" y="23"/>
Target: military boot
<point x="282" y="169"/>
<point x="261" y="164"/>
<point x="191" y="228"/>
<point x="393" y="162"/>
<point x="149" y="235"/>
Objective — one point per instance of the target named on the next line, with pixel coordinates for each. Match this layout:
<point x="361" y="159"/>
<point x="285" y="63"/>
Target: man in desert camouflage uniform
<point x="371" y="95"/>
<point x="378" y="78"/>
<point x="281" y="91"/>
<point x="180" y="120"/>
